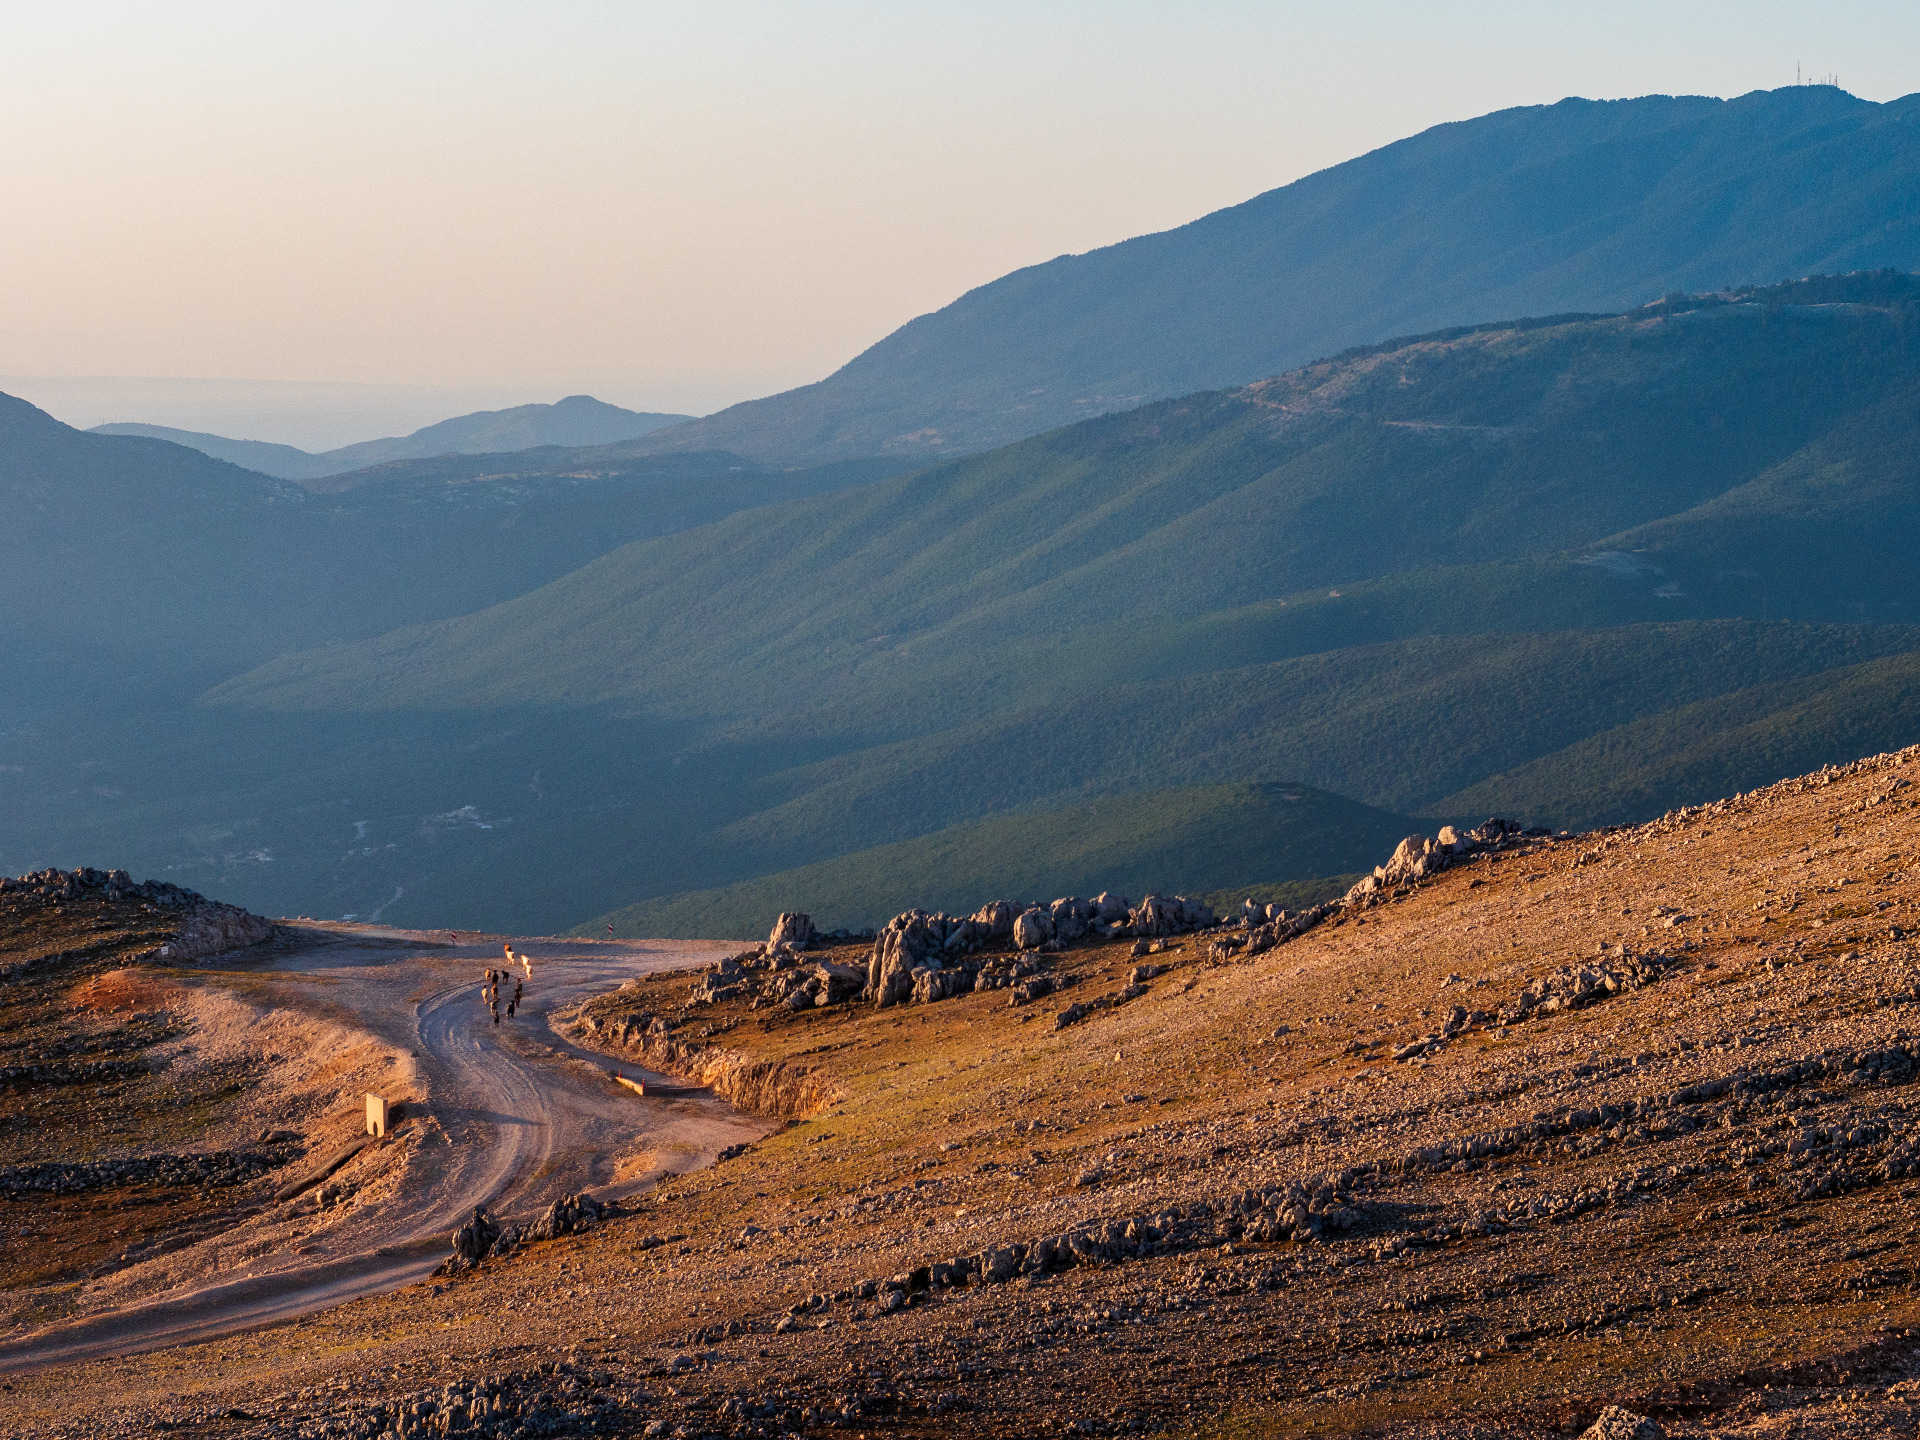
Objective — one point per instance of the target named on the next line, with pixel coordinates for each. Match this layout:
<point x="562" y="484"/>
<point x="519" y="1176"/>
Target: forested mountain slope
<point x="1634" y="461"/>
<point x="1134" y="844"/>
<point x="1566" y="570"/>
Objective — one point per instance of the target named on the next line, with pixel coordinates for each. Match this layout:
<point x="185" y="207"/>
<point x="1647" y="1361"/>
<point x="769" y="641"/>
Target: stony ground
<point x="1625" y="1117"/>
<point x="85" y="1091"/>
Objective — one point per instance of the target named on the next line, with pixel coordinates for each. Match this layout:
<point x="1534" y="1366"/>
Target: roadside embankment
<point x="777" y="1088"/>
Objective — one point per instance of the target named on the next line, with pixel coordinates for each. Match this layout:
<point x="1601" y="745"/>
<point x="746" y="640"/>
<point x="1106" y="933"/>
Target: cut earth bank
<point x="1625" y="1117"/>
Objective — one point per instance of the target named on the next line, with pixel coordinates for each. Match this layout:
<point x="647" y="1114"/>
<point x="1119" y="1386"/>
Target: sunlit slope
<point x="1194" y="841"/>
<point x="1582" y="205"/>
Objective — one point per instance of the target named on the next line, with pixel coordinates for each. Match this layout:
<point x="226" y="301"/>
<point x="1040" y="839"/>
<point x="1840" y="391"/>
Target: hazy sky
<point x="675" y="206"/>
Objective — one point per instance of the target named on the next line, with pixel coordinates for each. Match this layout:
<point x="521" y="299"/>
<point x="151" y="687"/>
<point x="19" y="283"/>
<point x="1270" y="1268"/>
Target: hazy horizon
<point x="377" y="218"/>
<point x="312" y="415"/>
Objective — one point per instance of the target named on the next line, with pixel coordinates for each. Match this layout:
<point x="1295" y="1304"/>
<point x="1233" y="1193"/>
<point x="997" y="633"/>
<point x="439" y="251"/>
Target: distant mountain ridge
<point x="1577" y="206"/>
<point x="169" y="559"/>
<point x="577" y="420"/>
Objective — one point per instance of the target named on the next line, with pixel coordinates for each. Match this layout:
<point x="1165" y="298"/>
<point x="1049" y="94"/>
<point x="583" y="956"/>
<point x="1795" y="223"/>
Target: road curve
<point x="524" y="1117"/>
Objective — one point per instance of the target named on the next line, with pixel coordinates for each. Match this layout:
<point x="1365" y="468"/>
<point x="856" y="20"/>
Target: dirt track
<point x="508" y="1117"/>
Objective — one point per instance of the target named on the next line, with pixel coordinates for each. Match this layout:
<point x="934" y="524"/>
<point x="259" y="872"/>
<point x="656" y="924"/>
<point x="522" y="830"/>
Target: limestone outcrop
<point x="1417" y="857"/>
<point x="211" y="928"/>
<point x="792" y="929"/>
<point x="923" y="957"/>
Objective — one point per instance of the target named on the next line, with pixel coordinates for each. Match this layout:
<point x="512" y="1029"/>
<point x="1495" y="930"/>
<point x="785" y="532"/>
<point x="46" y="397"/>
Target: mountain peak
<point x="1581" y="205"/>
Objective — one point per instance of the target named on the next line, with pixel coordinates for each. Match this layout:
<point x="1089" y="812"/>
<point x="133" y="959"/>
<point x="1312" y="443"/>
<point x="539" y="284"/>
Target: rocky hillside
<point x="105" y="913"/>
<point x="1529" y="1127"/>
<point x="106" y="1154"/>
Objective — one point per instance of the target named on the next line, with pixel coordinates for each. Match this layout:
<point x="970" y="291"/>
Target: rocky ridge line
<point x="202" y="928"/>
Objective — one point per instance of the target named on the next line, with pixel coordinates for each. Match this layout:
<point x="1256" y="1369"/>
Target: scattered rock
<point x="1574" y="987"/>
<point x="472" y="1243"/>
<point x="1618" y="1424"/>
<point x="1416" y="857"/>
<point x="1032" y="929"/>
<point x="566" y="1217"/>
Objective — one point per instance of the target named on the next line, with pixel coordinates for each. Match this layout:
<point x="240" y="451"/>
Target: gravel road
<point x="510" y="1117"/>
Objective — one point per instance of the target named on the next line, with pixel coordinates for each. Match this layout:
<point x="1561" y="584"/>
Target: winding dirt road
<point x="512" y="1117"/>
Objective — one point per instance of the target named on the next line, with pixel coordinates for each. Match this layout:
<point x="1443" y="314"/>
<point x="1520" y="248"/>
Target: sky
<point x="317" y="223"/>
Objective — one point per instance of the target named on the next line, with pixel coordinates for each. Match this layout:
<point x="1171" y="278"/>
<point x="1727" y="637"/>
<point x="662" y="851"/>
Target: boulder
<point x="791" y="929"/>
<point x="1111" y="909"/>
<point x="998" y="1264"/>
<point x="1413" y="859"/>
<point x="837" y="983"/>
<point x="900" y="949"/>
<point x="1168" y="915"/>
<point x="931" y="983"/>
<point x="963" y="938"/>
<point x="475" y="1239"/>
<point x="1032" y="988"/>
<point x="1033" y="928"/>
<point x="996" y="918"/>
<point x="1492" y="831"/>
<point x="566" y="1217"/>
<point x="1070" y="918"/>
